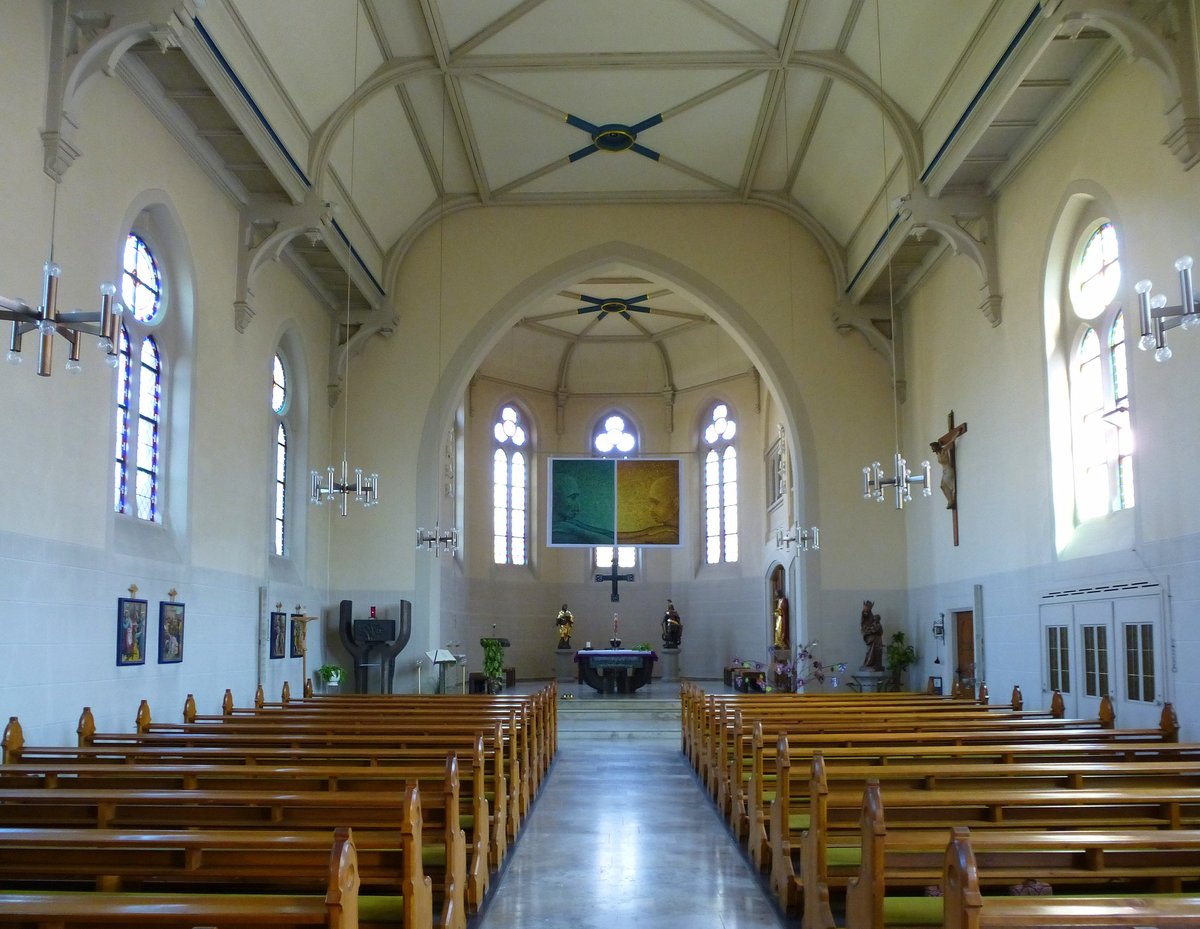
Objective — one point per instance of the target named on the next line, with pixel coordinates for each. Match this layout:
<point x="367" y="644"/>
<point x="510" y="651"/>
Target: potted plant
<point x="493" y="665"/>
<point x="898" y="658"/>
<point x="331" y="676"/>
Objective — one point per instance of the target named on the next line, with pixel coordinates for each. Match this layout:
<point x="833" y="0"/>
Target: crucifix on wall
<point x="944" y="449"/>
<point x="614" y="577"/>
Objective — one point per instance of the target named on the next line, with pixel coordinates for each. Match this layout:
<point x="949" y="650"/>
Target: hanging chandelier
<point x="72" y="325"/>
<point x="1156" y="317"/>
<point x="364" y="489"/>
<point x="902" y="479"/>
<point x="805" y="539"/>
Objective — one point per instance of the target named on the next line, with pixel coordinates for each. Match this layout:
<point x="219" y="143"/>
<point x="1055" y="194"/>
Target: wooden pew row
<point x="428" y="719"/>
<point x="335" y="905"/>
<point x="298" y="811"/>
<point x="481" y="775"/>
<point x="1071" y="861"/>
<point x="738" y="755"/>
<point x="541" y="703"/>
<point x="833" y="811"/>
<point x="535" y="732"/>
<point x="433" y="776"/>
<point x="697" y="705"/>
<point x="758" y="783"/>
<point x="966" y="907"/>
<point x="541" y="707"/>
<point x="505" y="768"/>
<point x="727" y="723"/>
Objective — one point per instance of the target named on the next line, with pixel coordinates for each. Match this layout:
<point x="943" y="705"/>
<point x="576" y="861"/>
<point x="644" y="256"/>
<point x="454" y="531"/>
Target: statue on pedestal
<point x="871" y="627"/>
<point x="565" y="623"/>
<point x="672" y="627"/>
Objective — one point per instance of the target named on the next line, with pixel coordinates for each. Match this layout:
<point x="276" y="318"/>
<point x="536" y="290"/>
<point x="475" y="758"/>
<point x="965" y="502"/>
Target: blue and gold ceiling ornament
<point x="606" y="305"/>
<point x="613" y="137"/>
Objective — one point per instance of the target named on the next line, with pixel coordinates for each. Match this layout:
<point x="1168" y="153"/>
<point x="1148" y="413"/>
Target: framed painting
<point x="278" y="641"/>
<point x="299" y="641"/>
<point x="131" y="631"/>
<point x="648" y="501"/>
<point x="583" y="494"/>
<point x="170" y="632"/>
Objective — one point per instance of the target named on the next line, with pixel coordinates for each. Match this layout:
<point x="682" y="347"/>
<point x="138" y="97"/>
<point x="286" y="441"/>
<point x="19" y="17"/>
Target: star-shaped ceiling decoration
<point x="613" y="137"/>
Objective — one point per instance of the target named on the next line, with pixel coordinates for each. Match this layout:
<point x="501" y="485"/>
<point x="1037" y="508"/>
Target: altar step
<point x="617" y="717"/>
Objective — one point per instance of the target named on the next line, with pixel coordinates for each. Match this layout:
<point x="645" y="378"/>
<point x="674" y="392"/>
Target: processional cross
<point x="614" y="577"/>
<point x="944" y="448"/>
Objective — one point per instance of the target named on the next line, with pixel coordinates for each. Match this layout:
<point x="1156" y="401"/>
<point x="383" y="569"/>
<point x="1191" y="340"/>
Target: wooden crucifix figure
<point x="944" y="449"/>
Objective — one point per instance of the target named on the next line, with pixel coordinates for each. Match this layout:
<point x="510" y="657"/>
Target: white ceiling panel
<point x="606" y="173"/>
<point x="843" y="169"/>
<point x="403" y="28"/>
<point x="787" y="129"/>
<point x="310" y="45"/>
<point x="764" y="17"/>
<point x="713" y="135"/>
<point x="822" y="24"/>
<point x="640" y="365"/>
<point x="585" y="26"/>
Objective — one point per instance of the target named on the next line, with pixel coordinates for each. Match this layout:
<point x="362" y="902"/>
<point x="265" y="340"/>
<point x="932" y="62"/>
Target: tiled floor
<point x="622" y="834"/>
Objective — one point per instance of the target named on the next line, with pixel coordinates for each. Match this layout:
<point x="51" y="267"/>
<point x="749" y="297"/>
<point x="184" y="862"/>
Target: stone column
<point x="564" y="666"/>
<point x="670" y="665"/>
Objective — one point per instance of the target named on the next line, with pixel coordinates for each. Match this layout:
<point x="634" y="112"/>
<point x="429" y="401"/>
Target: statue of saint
<point x="565" y="623"/>
<point x="782" y="627"/>
<point x="672" y="627"/>
<point x="872" y="633"/>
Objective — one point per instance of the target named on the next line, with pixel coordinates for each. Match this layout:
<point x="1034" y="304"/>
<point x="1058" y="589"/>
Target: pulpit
<point x="365" y="638"/>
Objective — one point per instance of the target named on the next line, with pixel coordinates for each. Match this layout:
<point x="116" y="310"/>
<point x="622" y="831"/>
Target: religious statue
<point x="782" y="627"/>
<point x="672" y="627"/>
<point x="565" y="622"/>
<point x="872" y="632"/>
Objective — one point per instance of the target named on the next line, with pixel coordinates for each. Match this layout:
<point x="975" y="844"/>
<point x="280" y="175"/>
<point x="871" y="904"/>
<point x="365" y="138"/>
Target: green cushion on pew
<point x="912" y="911"/>
<point x="797" y="821"/>
<point x="466" y="820"/>
<point x="433" y="855"/>
<point x="385" y="908"/>
<point x="843" y="856"/>
<point x="768" y="796"/>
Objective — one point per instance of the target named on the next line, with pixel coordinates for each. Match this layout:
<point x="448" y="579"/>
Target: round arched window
<point x="1097" y="274"/>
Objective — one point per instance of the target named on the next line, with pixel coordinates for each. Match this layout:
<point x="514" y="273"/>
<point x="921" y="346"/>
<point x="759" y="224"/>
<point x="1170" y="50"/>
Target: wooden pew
<point x="1075" y="862"/>
<point x="966" y="907"/>
<point x="337" y="907"/>
<point x="829" y="811"/>
<point x="501" y="736"/>
<point x="433" y="776"/>
<point x="483" y="775"/>
<point x="160" y="810"/>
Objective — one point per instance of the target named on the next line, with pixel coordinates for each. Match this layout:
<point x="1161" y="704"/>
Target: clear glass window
<point x="510" y="487"/>
<point x="1139" y="662"/>
<point x="720" y="502"/>
<point x="141" y="283"/>
<point x="1098" y="274"/>
<point x="613" y="438"/>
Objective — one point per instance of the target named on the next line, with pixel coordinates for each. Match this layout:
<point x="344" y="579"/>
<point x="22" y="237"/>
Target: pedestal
<point x="564" y="665"/>
<point x="868" y="680"/>
<point x="670" y="665"/>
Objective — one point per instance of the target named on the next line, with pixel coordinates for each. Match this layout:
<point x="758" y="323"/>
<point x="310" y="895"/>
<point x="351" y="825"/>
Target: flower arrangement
<point x="808" y="668"/>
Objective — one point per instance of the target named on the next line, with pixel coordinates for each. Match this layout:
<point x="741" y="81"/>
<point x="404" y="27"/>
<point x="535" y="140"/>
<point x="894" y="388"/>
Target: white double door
<point x="1113" y="646"/>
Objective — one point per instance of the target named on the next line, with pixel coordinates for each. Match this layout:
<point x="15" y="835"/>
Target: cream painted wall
<point x="734" y="262"/>
<point x="62" y="567"/>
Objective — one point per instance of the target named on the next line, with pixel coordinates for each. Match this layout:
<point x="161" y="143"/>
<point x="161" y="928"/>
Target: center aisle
<point x="623" y="835"/>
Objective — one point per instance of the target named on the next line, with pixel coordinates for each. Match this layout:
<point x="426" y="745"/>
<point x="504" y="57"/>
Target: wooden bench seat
<point x="161" y="810"/>
<point x="1074" y="861"/>
<point x="480" y="773"/>
<point x="825" y="811"/>
<point x="498" y="733"/>
<point x="433" y="776"/>
<point x="966" y="907"/>
<point x="334" y="905"/>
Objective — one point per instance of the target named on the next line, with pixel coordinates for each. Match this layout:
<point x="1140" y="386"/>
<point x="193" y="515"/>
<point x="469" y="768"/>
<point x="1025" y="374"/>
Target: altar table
<point x="615" y="670"/>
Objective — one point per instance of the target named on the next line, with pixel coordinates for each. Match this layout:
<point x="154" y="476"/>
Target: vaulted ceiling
<point x="883" y="127"/>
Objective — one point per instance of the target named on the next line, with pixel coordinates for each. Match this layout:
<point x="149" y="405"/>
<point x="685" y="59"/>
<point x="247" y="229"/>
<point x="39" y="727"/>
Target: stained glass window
<point x="614" y="439"/>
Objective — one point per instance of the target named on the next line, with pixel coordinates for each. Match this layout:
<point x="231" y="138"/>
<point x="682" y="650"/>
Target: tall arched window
<point x="1102" y="435"/>
<point x="139" y="387"/>
<point x="614" y="437"/>
<point x="720" y="486"/>
<point x="279" y="405"/>
<point x="510" y="487"/>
